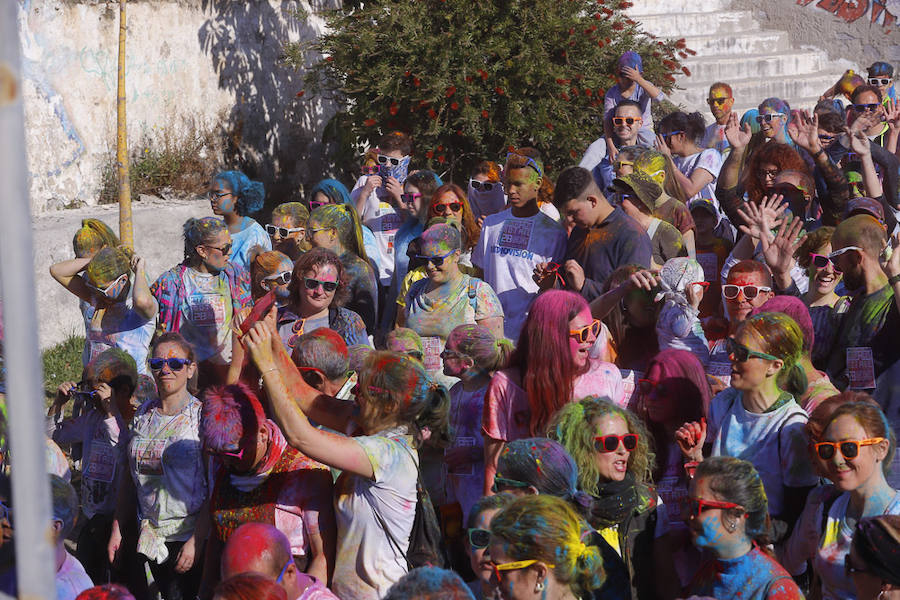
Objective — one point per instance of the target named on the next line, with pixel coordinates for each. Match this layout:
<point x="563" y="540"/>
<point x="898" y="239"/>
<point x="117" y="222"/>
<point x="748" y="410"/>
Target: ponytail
<point x="250" y="194"/>
<point x="435" y="418"/>
<point x="792" y="379"/>
<point x="488" y="353"/>
<point x="93" y="235"/>
<point x="589" y="572"/>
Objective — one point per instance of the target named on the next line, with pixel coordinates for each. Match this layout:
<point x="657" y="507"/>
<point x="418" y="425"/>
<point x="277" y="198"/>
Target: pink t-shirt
<point x="507" y="415"/>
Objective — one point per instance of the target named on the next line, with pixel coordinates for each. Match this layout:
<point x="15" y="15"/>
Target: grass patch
<point x="181" y="158"/>
<point x="62" y="363"/>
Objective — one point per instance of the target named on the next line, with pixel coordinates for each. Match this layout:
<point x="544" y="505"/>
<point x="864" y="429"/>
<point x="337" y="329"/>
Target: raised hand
<point x="892" y="114"/>
<point x="690" y="438"/>
<point x="804" y="131"/>
<point x="779" y="252"/>
<point x="891" y="266"/>
<point x="737" y="136"/>
<point x="760" y="218"/>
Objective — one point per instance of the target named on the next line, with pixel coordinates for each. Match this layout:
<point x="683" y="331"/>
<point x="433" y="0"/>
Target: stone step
<point x="753" y="91"/>
<point x="739" y="44"/>
<point x="652" y="7"/>
<point x="668" y="25"/>
<point x="727" y="68"/>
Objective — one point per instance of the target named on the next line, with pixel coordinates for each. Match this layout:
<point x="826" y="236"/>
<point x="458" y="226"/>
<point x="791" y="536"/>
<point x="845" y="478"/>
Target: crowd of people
<point x="669" y="373"/>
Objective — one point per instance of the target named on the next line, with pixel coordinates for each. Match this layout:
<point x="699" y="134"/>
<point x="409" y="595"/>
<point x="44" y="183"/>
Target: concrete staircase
<point x="732" y="47"/>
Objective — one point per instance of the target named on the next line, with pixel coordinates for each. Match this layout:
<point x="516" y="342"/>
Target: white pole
<point x="25" y="401"/>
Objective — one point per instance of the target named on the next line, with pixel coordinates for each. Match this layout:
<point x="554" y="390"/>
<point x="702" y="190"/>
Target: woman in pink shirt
<point x="550" y="367"/>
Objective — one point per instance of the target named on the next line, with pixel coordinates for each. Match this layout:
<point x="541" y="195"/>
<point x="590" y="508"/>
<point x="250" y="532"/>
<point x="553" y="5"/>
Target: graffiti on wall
<point x="853" y="10"/>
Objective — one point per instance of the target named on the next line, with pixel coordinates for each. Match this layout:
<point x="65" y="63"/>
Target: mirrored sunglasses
<point x="610" y="443"/>
<point x="175" y="364"/>
<point x="767" y="118"/>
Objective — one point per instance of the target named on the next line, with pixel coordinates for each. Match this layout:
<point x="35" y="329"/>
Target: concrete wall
<point x="215" y="62"/>
<point x="861" y="31"/>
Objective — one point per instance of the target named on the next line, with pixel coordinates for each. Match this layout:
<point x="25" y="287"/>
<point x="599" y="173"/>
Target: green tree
<point x="470" y="79"/>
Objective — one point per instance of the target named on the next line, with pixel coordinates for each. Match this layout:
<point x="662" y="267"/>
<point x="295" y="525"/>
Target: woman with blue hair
<point x="234" y="197"/>
<point x="332" y="191"/>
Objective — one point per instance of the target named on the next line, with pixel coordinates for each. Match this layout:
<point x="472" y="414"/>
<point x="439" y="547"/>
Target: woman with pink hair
<point x="550" y="367"/>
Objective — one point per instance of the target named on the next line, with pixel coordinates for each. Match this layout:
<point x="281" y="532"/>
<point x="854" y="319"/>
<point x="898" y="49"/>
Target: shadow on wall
<point x="273" y="135"/>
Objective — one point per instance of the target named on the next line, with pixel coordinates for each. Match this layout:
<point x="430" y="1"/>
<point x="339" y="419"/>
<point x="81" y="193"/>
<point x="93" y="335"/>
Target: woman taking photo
<point x="548" y="369"/>
<point x="396" y="408"/>
<point x="446" y="298"/>
<point x="727" y="515"/>
<point x="168" y="475"/>
<point x="538" y="550"/>
<point x="336" y="227"/>
<point x="234" y="197"/>
<point x="200" y="297"/>
<point x="119" y="310"/>
<point x="854" y="451"/>
<point x="611" y="447"/>
<point x="317" y="291"/>
<point x="757" y="418"/>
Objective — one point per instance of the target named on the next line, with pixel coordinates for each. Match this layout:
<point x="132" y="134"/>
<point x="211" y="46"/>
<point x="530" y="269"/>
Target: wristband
<point x="821" y="151"/>
<point x="892" y="281"/>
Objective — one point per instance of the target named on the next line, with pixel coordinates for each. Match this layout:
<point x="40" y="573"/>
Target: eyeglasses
<point x="175" y="364"/>
<point x="666" y="136"/>
<point x="389" y="160"/>
<point x="285" y="231"/>
<point x="284" y="570"/>
<point x="443" y="209"/>
<point x="486" y="186"/>
<point x="880" y="80"/>
<point x="843" y="250"/>
<point x="769" y="173"/>
<point x="583" y="334"/>
<point x="513" y="566"/>
<point x="820" y="261"/>
<point x="225" y="250"/>
<point x="410" y="199"/>
<point x="750" y="292"/>
<point x="113" y="289"/>
<point x="447" y="353"/>
<point x="529" y="162"/>
<point x="694" y="507"/>
<point x="865" y="107"/>
<point x="849" y="448"/>
<point x="627" y="120"/>
<point x="646" y="386"/>
<point x="479" y="538"/>
<point x="718" y="101"/>
<point x="313" y="284"/>
<point x="373" y="170"/>
<point x="768" y="117"/>
<point x="435" y="260"/>
<point x="610" y="443"/>
<point x="213" y="195"/>
<point x="741" y="353"/>
<point x="283" y="278"/>
<point x="502" y="482"/>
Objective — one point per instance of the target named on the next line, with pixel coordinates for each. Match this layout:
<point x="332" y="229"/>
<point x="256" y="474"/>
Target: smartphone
<point x="888" y="250"/>
<point x="260" y="309"/>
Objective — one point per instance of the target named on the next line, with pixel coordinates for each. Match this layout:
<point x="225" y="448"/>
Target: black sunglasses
<point x="312" y="284"/>
<point x="388" y="160"/>
<point x="225" y="250"/>
<point x="442" y="209"/>
<point x="175" y="364"/>
<point x="482" y="185"/>
<point x="283" y="231"/>
<point x="479" y="538"/>
<point x="865" y="107"/>
<point x="435" y="260"/>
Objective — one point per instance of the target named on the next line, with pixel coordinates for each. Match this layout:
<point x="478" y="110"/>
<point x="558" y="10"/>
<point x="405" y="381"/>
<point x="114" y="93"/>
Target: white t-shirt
<point x="710" y="160"/>
<point x="507" y="251"/>
<point x="207" y="313"/>
<point x="367" y="562"/>
<point x="383" y="220"/>
<point x="71" y="579"/>
<point x="244" y="241"/>
<point x="121" y="327"/>
<point x="166" y="462"/>
<point x="775" y="442"/>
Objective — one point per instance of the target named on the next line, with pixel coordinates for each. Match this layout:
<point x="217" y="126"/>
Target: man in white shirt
<point x="513" y="242"/>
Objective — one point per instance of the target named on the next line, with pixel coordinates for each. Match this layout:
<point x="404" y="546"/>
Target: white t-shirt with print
<point x="383" y="220"/>
<point x="367" y="562"/>
<point x="507" y="251"/>
<point x="207" y="313"/>
<point x="710" y="160"/>
<point x="775" y="442"/>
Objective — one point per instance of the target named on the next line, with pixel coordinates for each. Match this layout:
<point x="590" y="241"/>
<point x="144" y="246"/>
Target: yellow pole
<point x="126" y="227"/>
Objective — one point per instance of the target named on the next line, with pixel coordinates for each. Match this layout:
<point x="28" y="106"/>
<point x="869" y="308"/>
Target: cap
<point x="881" y="69"/>
<point x="863" y="205"/>
<point x="643" y="187"/>
<point x="705" y="204"/>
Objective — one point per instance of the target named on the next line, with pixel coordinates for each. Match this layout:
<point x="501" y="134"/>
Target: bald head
<point x="255" y="547"/>
<point x="863" y="231"/>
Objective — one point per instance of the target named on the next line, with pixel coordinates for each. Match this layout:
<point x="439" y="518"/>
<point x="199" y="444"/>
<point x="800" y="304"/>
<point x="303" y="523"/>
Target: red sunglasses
<point x="694" y="507"/>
